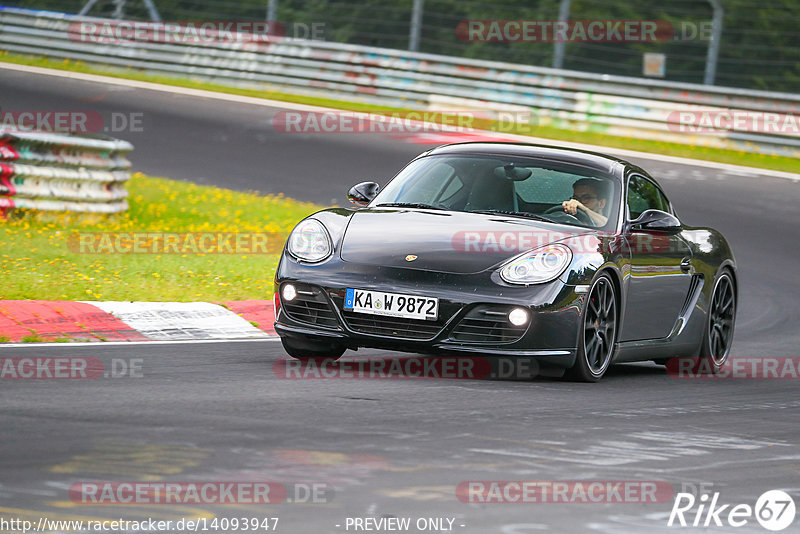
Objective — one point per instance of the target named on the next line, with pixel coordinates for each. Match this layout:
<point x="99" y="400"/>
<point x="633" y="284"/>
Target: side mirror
<point x="656" y="221"/>
<point x="363" y="193"/>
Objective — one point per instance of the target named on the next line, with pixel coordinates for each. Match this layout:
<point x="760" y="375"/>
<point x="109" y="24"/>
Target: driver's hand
<point x="571" y="206"/>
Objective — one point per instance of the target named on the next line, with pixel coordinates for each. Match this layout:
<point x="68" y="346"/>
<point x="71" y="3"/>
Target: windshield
<point x="514" y="186"/>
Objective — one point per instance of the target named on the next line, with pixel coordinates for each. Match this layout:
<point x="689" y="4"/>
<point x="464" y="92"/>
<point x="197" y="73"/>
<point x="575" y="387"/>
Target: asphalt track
<point x="399" y="447"/>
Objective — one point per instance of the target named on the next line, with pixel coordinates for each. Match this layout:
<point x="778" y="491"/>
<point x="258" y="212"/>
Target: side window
<point x="644" y="195"/>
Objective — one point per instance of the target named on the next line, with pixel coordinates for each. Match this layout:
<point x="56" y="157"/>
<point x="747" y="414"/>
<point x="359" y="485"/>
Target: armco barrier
<point x="632" y="107"/>
<point x="60" y="172"/>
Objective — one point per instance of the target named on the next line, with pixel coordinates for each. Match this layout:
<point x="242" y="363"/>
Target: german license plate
<point x="391" y="304"/>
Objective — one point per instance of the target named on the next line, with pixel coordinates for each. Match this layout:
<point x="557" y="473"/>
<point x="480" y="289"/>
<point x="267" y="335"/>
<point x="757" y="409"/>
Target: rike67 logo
<point x="774" y="510"/>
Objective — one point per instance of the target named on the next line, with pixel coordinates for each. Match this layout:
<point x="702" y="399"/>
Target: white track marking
<point x="181" y="320"/>
<point x="100" y="344"/>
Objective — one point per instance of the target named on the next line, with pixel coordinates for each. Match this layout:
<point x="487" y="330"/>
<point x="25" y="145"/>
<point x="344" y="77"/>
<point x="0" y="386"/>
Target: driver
<point x="589" y="196"/>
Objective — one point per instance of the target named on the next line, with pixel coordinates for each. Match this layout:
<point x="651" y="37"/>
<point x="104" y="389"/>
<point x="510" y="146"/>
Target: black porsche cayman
<point x="573" y="257"/>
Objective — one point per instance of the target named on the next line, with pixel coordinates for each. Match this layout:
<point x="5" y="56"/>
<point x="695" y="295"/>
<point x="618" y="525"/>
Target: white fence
<point x="753" y="121"/>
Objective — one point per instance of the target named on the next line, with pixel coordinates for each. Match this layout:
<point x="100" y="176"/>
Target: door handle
<point x="686" y="265"/>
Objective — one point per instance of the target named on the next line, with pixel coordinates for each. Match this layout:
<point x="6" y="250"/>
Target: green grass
<point x="41" y="256"/>
<point x="780" y="163"/>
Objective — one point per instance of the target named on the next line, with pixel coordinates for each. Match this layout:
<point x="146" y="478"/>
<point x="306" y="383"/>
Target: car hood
<point x="443" y="241"/>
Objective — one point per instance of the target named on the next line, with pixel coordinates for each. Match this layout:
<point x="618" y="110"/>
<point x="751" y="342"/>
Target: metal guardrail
<point x="60" y="172"/>
<point x="628" y="107"/>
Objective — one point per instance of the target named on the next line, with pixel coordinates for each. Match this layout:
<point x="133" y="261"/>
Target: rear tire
<point x="312" y="350"/>
<point x="718" y="334"/>
<point x="597" y="333"/>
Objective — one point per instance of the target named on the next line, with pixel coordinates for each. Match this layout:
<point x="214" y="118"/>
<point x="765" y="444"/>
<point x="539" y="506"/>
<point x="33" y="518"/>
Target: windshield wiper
<point x="408" y="205"/>
<point x="516" y="213"/>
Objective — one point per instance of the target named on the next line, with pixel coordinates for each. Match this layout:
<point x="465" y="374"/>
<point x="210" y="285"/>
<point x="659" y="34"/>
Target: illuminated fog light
<point x="519" y="316"/>
<point x="289" y="292"/>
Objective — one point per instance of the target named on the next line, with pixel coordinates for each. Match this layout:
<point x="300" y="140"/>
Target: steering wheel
<point x="580" y="215"/>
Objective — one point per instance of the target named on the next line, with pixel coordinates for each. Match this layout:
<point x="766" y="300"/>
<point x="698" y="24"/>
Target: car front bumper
<point x="472" y="307"/>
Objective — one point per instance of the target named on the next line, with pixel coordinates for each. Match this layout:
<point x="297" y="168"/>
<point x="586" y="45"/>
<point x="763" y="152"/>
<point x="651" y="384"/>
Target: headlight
<point x="310" y="241"/>
<point x="541" y="265"/>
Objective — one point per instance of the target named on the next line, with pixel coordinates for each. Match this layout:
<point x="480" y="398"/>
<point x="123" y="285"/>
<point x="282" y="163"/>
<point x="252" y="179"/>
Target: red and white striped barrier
<point x="33" y="320"/>
<point x="61" y="172"/>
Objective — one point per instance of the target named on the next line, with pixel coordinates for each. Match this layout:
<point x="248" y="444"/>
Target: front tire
<point x="597" y="333"/>
<point x="311" y="350"/>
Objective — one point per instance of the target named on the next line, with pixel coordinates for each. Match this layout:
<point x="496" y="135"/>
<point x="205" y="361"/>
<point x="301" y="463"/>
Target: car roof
<point x="594" y="160"/>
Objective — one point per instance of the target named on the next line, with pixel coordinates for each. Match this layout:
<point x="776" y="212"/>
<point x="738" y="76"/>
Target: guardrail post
<point x="152" y="11"/>
<point x="86" y="7"/>
<point x="713" y="45"/>
<point x="416" y="25"/>
<point x="560" y="47"/>
<point x="119" y="9"/>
